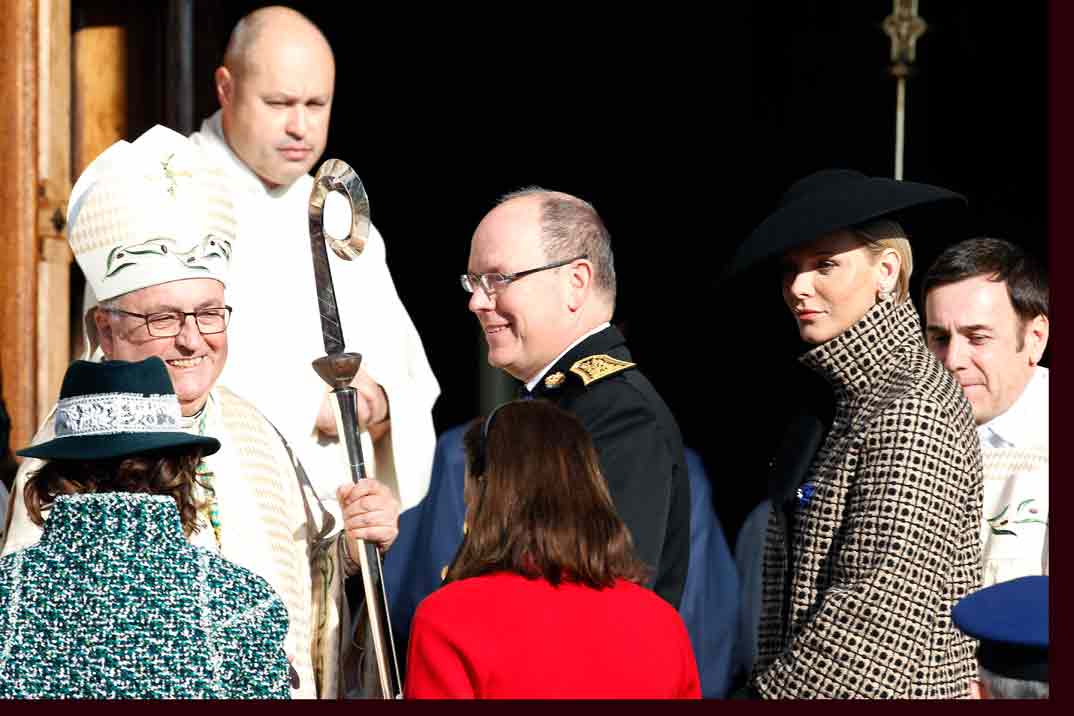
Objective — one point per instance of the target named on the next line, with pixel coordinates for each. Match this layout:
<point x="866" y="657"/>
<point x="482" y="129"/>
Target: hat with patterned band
<point x="148" y="212"/>
<point x="116" y="408"/>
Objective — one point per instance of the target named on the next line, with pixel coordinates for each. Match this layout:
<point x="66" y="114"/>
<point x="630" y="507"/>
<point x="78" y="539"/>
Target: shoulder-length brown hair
<point x="540" y="506"/>
<point x="162" y="472"/>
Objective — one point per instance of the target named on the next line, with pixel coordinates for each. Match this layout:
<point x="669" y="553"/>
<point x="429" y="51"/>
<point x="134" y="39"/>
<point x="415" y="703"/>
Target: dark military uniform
<point x="640" y="448"/>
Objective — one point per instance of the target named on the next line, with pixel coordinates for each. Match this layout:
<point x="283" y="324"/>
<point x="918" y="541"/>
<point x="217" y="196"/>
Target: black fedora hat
<point x="834" y="199"/>
<point x="116" y="408"/>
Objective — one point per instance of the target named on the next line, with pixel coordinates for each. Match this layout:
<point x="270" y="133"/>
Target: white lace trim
<point x="216" y="659"/>
<point x="107" y="413"/>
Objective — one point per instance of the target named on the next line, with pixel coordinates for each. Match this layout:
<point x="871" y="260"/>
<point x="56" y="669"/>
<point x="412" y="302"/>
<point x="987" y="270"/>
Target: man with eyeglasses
<point x="152" y="227"/>
<point x="542" y="285"/>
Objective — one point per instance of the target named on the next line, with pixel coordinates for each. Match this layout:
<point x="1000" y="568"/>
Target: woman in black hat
<point x="113" y="602"/>
<point x="864" y="561"/>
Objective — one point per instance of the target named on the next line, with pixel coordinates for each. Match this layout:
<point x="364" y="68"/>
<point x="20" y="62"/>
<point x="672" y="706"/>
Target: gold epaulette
<point x="597" y="367"/>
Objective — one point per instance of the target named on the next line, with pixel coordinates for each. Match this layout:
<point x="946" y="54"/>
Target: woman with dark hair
<point x="865" y="557"/>
<point x="113" y="602"/>
<point x="544" y="598"/>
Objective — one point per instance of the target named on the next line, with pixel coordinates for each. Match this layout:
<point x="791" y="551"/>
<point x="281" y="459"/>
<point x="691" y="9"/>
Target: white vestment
<point x="268" y="525"/>
<point x="275" y="334"/>
<point x="1014" y="451"/>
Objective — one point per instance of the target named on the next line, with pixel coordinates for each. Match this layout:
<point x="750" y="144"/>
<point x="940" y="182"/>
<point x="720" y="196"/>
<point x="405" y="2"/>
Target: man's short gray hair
<point x="1004" y="687"/>
<point x="572" y="227"/>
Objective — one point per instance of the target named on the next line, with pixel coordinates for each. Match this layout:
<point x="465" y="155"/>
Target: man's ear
<point x="1036" y="338"/>
<point x="225" y="85"/>
<point x="579" y="282"/>
<point x="104" y="332"/>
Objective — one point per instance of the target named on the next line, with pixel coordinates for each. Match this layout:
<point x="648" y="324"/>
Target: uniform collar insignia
<point x="555" y="380"/>
<point x="596" y="367"/>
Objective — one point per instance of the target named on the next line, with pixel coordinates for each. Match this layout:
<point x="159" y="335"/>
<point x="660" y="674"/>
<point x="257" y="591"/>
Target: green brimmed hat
<point x="114" y="409"/>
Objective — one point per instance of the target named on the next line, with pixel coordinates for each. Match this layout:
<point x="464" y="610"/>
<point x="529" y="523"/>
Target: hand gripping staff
<point x="378" y="668"/>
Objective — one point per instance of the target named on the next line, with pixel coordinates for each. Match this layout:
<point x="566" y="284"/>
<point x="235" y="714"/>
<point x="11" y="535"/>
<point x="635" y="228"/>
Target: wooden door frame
<point x="35" y="169"/>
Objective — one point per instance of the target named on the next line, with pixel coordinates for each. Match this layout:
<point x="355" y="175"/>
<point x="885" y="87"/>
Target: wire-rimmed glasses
<point x="490" y="283"/>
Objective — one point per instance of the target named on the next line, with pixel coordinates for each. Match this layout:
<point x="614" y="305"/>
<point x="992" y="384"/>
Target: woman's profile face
<point x="829" y="284"/>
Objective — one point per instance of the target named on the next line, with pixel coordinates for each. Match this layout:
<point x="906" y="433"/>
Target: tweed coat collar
<point x="122" y="520"/>
<point x="860" y="358"/>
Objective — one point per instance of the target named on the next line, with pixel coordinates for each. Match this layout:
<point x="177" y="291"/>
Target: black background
<point x="683" y="127"/>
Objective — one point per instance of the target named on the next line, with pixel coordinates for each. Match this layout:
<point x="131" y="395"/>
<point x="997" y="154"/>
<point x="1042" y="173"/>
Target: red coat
<point x="505" y="636"/>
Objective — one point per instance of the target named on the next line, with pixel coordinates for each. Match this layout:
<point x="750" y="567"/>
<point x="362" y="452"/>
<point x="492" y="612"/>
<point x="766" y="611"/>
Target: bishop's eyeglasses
<point x="167" y="324"/>
<point x="490" y="283"/>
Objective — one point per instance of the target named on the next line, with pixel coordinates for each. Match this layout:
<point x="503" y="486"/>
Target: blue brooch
<point x="805" y="494"/>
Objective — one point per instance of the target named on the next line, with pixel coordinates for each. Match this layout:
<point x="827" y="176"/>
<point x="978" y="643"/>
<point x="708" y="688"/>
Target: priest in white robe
<point x="152" y="226"/>
<point x="275" y="90"/>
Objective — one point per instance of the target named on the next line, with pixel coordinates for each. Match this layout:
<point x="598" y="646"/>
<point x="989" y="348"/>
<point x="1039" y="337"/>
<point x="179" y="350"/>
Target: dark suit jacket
<point x="640" y="448"/>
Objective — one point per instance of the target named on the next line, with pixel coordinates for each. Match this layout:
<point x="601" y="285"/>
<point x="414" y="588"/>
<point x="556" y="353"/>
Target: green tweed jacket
<point x="113" y="602"/>
<point x="862" y="568"/>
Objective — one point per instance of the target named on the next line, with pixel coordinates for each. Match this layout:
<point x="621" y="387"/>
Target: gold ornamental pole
<point x="903" y="26"/>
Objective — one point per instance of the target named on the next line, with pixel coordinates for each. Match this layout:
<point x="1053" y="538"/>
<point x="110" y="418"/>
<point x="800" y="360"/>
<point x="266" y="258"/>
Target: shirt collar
<point x="1025" y="423"/>
<point x="537" y="378"/>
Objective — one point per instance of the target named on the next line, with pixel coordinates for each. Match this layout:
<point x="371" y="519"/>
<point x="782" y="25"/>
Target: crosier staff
<point x="379" y="677"/>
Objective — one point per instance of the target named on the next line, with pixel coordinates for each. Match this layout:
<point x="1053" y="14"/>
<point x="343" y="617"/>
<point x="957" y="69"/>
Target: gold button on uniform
<point x="555" y="380"/>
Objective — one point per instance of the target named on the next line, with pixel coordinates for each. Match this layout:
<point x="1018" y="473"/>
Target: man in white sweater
<point x="152" y="225"/>
<point x="986" y="309"/>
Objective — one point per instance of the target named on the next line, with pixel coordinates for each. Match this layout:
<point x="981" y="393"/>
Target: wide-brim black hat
<point x="114" y="409"/>
<point x="834" y="199"/>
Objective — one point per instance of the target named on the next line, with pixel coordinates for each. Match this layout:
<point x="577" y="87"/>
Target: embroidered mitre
<point x="148" y="212"/>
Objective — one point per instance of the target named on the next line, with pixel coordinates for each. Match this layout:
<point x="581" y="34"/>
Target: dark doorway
<point x="683" y="129"/>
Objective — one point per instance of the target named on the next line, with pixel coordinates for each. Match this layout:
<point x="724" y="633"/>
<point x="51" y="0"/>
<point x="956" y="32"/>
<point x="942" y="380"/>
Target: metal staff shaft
<point x="338" y="369"/>
<point x="387" y="666"/>
<point x="900" y="124"/>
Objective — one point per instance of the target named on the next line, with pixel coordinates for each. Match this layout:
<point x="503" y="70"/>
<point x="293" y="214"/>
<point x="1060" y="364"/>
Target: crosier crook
<point x="379" y="678"/>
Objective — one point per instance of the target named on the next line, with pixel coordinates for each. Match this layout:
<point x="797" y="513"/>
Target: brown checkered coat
<point x="889" y="540"/>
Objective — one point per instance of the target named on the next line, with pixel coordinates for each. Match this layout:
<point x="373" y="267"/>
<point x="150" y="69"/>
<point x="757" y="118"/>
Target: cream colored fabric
<point x="148" y="212"/>
<point x="1014" y="529"/>
<point x="275" y="334"/>
<point x="267" y="525"/>
<point x="1014" y="450"/>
